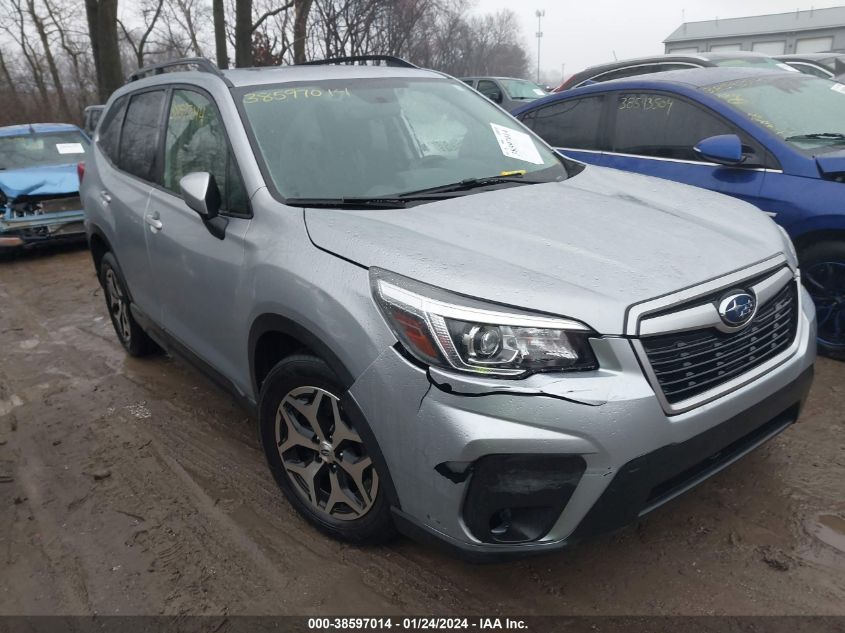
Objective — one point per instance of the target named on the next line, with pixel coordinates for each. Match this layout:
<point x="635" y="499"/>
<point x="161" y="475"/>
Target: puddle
<point x="829" y="529"/>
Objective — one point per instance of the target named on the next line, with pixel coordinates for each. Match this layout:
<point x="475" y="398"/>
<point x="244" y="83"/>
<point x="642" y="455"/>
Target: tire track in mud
<point x="186" y="519"/>
<point x="187" y="535"/>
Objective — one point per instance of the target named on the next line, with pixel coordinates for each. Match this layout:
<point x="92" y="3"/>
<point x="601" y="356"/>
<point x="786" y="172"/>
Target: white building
<point x="813" y="31"/>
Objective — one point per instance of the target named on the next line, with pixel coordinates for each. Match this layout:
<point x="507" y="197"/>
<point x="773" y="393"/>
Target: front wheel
<point x="317" y="456"/>
<point x="823" y="273"/>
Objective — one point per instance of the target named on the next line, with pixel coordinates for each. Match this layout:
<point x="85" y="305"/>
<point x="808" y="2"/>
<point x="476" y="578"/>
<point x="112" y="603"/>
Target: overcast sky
<point x="582" y="33"/>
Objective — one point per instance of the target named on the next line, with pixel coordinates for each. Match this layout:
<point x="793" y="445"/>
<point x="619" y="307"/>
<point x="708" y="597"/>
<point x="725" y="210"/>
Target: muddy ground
<point x="136" y="487"/>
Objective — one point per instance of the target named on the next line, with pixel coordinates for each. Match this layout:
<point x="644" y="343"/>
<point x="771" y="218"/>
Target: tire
<point x="135" y="341"/>
<point x="326" y="474"/>
<point x="823" y="274"/>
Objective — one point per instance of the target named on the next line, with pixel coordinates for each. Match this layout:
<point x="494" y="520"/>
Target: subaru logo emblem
<point x="737" y="309"/>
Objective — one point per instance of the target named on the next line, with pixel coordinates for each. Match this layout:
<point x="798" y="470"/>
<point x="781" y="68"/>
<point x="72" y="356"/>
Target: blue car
<point x="774" y="139"/>
<point x="39" y="184"/>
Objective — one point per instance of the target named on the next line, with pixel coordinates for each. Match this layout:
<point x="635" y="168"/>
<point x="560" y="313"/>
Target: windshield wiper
<point x="471" y="183"/>
<point x="817" y="136"/>
<point x="348" y="203"/>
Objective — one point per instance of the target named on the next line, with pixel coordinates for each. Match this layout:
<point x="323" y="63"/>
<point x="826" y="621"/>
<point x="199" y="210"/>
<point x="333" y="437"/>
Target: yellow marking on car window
<point x="515" y="172"/>
<point x="294" y="94"/>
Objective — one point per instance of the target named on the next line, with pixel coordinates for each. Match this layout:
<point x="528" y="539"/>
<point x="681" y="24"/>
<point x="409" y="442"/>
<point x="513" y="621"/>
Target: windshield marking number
<point x="285" y="94"/>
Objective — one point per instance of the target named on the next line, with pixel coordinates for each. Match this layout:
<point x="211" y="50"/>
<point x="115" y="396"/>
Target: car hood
<point x="37" y="181"/>
<point x="586" y="248"/>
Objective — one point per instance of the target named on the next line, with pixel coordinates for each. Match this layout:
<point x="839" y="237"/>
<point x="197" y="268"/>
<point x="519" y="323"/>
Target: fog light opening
<point x="500" y="522"/>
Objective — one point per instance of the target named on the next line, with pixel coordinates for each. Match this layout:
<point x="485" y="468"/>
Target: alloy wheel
<point x="324" y="456"/>
<point x="825" y="281"/>
<point x="118" y="308"/>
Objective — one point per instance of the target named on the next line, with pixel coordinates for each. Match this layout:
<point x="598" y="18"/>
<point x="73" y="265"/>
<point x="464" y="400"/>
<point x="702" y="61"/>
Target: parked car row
<point x="450" y="327"/>
<point x="774" y="139"/>
<point x="443" y="326"/>
<point x="667" y="63"/>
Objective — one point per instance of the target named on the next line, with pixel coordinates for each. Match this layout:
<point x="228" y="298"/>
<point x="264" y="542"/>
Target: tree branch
<point x="270" y="14"/>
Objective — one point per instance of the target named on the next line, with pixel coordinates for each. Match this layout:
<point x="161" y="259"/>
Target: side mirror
<point x="725" y="149"/>
<point x="496" y="97"/>
<point x="199" y="189"/>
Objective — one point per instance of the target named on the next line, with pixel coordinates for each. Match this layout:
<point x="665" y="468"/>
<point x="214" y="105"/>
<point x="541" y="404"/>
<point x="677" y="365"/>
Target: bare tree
<point x="220" y="33"/>
<point x="150" y="15"/>
<point x="10" y="83"/>
<point x="41" y="29"/>
<point x="51" y="52"/>
<point x="187" y="14"/>
<point x="102" y="29"/>
<point x="301" y="10"/>
<point x="245" y="28"/>
<point x="73" y="51"/>
<point x="17" y="31"/>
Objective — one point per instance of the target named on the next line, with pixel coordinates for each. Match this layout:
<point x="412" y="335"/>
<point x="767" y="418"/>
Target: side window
<point x="573" y="123"/>
<point x="139" y="138"/>
<point x="628" y="71"/>
<point x="809" y="69"/>
<point x="662" y="126"/>
<point x="110" y="129"/>
<point x="196" y="141"/>
<point x="490" y="90"/>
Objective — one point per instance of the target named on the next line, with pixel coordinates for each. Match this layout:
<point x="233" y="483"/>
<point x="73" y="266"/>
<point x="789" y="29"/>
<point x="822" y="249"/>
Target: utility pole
<point x="540" y="13"/>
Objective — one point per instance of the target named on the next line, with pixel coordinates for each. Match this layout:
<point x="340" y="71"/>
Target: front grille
<point x="689" y="363"/>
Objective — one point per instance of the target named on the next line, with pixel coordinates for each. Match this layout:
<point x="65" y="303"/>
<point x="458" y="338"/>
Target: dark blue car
<point x="39" y="184"/>
<point x="774" y="139"/>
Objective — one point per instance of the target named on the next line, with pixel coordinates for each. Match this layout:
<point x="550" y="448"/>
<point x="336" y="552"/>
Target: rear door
<point x="197" y="274"/>
<point x="654" y="133"/>
<point x="130" y="145"/>
<point x="572" y="126"/>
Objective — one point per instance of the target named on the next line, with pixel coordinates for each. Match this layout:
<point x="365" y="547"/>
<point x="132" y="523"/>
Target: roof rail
<point x="389" y="60"/>
<point x="202" y="64"/>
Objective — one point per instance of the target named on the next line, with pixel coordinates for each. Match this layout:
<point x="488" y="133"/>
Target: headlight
<point x="453" y="332"/>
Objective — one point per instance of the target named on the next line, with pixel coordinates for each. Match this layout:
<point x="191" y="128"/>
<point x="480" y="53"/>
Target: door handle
<point x="105" y="196"/>
<point x="153" y="220"/>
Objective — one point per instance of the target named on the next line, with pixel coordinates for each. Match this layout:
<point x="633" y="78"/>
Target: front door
<point x="655" y="133"/>
<point x="197" y="274"/>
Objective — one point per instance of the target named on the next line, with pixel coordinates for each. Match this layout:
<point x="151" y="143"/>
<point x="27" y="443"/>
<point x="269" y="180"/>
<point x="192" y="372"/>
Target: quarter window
<point x="196" y="141"/>
<point x="573" y="123"/>
<point x="139" y="139"/>
<point x="662" y="126"/>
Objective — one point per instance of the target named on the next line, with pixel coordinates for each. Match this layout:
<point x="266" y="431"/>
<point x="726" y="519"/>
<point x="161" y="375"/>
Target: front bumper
<point x="434" y="429"/>
<point x="35" y="229"/>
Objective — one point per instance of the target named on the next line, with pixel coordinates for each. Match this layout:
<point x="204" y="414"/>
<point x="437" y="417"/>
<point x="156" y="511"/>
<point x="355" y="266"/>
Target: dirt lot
<point x="136" y="487"/>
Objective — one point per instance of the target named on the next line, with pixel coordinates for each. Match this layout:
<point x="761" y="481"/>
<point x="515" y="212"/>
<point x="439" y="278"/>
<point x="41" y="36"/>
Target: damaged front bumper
<point x="38" y="219"/>
<point x="498" y="468"/>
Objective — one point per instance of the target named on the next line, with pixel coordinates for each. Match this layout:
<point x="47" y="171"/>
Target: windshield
<point x="384" y="137"/>
<point x="805" y="111"/>
<point x="522" y="89"/>
<point x="41" y="150"/>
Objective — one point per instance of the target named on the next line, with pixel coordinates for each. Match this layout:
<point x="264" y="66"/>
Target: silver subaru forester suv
<point x="442" y="326"/>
